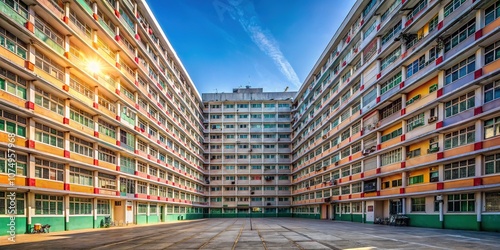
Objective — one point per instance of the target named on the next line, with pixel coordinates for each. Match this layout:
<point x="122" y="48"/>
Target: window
<point x="392" y="135"/>
<point x="6" y="201"/>
<point x="416" y="179"/>
<point x="415" y="122"/>
<point x="452" y="6"/>
<point x="460" y="69"/>
<point x="103" y="207"/>
<point x="391" y="157"/>
<point x="460" y="35"/>
<point x="460" y="169"/>
<point x="49" y="101"/>
<point x="13" y="83"/>
<point x="492" y="53"/>
<point x="459" y="104"/>
<point x="127" y="186"/>
<point x="45" y="204"/>
<point x="418" y="7"/>
<point x="106" y="155"/>
<point x="492" y="127"/>
<point x="491" y="91"/>
<point x="492" y="201"/>
<point x="391" y="83"/>
<point x="391" y="33"/>
<point x="492" y="12"/>
<point x="369" y="7"/>
<point x="392" y="108"/>
<point x="492" y="164"/>
<point x="81" y="146"/>
<point x="433" y="23"/>
<point x="81" y="117"/>
<point x="142" y="208"/>
<point x="80" y="205"/>
<point x="12" y="43"/>
<point x="392" y="57"/>
<point x="415" y="66"/>
<point x="49" y="170"/>
<point x="459" y="138"/>
<point x="47" y="135"/>
<point x="48" y="65"/>
<point x="369" y="97"/>
<point x="356" y="188"/>
<point x="106" y="181"/>
<point x="142" y="187"/>
<point x="418" y="204"/>
<point x="12" y="123"/>
<point x="81" y="176"/>
<point x="81" y="87"/>
<point x="461" y="203"/>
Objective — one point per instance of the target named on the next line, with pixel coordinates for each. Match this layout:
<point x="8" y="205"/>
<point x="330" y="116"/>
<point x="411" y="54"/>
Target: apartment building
<point x="248" y="152"/>
<point x="102" y="116"/>
<point x="400" y="115"/>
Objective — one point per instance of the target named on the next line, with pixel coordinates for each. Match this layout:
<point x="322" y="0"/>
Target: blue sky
<point x="225" y="44"/>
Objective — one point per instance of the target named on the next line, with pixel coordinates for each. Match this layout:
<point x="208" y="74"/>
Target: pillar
<point x="479" y="208"/>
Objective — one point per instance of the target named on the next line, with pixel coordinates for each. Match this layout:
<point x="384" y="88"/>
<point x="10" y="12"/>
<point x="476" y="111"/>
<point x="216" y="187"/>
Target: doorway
<point x="129" y="213"/>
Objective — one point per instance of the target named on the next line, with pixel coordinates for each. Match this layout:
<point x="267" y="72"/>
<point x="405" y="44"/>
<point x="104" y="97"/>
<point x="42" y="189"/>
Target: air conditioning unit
<point x="366" y="151"/>
<point x="252" y="192"/>
<point x="233" y="182"/>
<point x="336" y="163"/>
<point x="269" y="203"/>
<point x="432" y="119"/>
<point x="373" y="148"/>
<point x="324" y="136"/>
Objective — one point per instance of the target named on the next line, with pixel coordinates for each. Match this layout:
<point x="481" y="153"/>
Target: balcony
<point x="19" y="16"/>
<point x="85" y="7"/>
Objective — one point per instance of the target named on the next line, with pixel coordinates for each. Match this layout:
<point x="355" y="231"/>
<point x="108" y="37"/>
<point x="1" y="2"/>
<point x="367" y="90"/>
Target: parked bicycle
<point x="39" y="228"/>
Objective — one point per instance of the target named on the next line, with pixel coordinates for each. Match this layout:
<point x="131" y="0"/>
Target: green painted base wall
<point x="491" y="222"/>
<point x="461" y="221"/>
<point x="307" y="216"/>
<point x="357" y="218"/>
<point x="80" y="222"/>
<point x="56" y="223"/>
<point x="424" y="220"/>
<point x="141" y="219"/>
<point x="20" y="225"/>
<point x="176" y="217"/>
<point x="153" y="219"/>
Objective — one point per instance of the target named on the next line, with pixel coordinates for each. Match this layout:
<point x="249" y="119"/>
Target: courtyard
<point x="261" y="233"/>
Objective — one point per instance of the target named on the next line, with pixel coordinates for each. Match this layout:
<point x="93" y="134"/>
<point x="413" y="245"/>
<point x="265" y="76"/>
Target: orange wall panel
<point x="459" y="150"/>
<point x="391" y="167"/>
<point x="492" y="26"/>
<point x="491" y="142"/>
<point x="421" y="188"/>
<point x="81" y="189"/>
<point x="487" y="180"/>
<point x="42" y="183"/>
<point x="459" y="183"/>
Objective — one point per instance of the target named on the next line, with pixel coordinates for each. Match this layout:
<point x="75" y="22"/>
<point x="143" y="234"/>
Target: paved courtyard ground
<point x="267" y="233"/>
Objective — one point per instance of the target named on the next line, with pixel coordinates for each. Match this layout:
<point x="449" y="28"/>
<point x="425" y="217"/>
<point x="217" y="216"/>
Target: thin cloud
<point x="245" y="14"/>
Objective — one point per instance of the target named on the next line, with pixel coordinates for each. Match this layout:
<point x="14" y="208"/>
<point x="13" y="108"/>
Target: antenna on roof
<point x="286" y="89"/>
